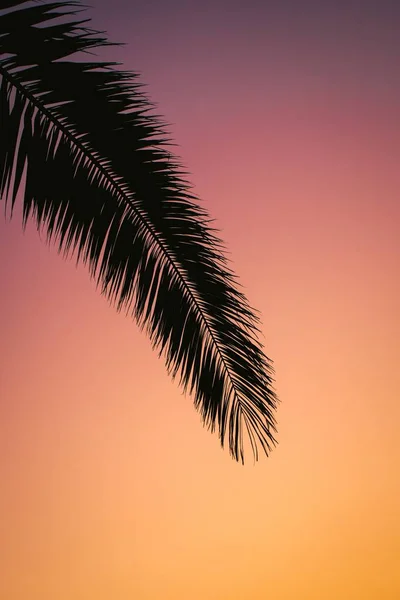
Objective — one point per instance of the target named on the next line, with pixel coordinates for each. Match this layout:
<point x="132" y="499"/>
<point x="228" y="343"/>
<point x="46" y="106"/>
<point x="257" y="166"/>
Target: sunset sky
<point x="286" y="115"/>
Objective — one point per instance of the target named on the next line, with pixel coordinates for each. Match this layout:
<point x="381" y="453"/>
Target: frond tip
<point x="96" y="174"/>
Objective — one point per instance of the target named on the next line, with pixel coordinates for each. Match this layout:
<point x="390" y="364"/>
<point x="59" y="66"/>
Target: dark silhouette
<point x="78" y="140"/>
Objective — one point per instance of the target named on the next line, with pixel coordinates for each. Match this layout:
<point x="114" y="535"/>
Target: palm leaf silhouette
<point x="96" y="175"/>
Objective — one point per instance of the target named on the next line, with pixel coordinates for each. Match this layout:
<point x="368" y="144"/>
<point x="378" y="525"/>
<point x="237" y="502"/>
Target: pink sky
<point x="288" y="123"/>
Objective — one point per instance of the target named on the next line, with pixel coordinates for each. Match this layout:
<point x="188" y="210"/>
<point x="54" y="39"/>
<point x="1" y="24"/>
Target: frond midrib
<point x="116" y="185"/>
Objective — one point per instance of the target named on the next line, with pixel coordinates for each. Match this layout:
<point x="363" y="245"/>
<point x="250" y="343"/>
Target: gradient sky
<point x="287" y="117"/>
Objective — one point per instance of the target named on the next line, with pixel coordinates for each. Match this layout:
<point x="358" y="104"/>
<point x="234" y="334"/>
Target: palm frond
<point x="80" y="140"/>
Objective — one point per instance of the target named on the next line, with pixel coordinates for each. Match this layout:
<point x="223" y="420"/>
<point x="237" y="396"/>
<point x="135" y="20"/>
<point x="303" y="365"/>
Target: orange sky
<point x="111" y="488"/>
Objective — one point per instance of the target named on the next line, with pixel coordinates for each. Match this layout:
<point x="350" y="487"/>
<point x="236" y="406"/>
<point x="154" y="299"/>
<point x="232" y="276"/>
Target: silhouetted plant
<point x="92" y="163"/>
